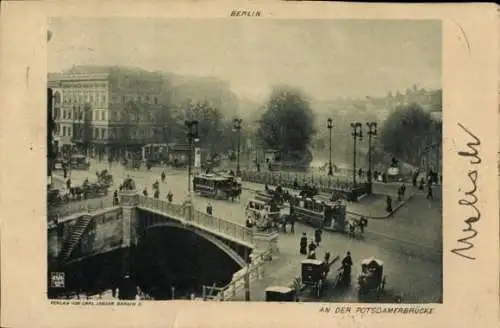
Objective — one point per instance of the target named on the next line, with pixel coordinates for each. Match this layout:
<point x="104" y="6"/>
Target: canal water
<point x="164" y="257"/>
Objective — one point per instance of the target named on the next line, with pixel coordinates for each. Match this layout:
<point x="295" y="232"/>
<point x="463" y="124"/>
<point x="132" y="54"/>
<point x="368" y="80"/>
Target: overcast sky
<point x="326" y="58"/>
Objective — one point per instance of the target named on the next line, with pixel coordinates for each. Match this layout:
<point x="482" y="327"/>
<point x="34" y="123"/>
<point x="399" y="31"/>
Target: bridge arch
<point x="172" y="254"/>
<point x="214" y="240"/>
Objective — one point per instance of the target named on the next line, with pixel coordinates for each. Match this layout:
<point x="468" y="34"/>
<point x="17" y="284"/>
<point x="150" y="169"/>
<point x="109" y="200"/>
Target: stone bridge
<point x="86" y="234"/>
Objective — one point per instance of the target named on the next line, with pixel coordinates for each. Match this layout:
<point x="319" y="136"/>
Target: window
<point x="102" y="116"/>
<point x="95" y="133"/>
<point x="64" y="131"/>
<point x="91" y="99"/>
<point x="124" y="99"/>
<point x="69" y="115"/>
<point x="103" y="133"/>
<point x="147" y="99"/>
<point x="103" y="99"/>
<point x="156" y="100"/>
<point x="64" y="114"/>
<point x="69" y="131"/>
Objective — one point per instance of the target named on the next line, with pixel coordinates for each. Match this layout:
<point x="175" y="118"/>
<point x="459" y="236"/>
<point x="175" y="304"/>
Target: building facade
<point x="106" y="114"/>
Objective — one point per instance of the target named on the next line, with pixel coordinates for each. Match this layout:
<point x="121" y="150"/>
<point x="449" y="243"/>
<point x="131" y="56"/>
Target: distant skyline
<point x="327" y="59"/>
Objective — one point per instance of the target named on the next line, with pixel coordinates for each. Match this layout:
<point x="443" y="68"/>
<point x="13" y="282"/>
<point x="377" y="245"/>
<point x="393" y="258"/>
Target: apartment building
<point x="106" y="111"/>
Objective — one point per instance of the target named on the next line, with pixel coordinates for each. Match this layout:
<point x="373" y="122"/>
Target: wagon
<point x="313" y="275"/>
<point x="280" y="294"/>
<point x="372" y="278"/>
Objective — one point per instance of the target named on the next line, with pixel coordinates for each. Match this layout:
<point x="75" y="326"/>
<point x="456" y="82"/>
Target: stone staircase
<point x="74" y="237"/>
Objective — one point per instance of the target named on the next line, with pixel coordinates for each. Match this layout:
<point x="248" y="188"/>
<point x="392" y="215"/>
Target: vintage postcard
<point x="220" y="164"/>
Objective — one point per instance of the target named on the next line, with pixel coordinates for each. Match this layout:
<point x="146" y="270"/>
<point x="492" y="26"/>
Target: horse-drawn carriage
<point x="314" y="273"/>
<point x="104" y="178"/>
<point x="259" y="214"/>
<point x="217" y="186"/>
<point x="88" y="190"/>
<point x="56" y="197"/>
<point x="372" y="278"/>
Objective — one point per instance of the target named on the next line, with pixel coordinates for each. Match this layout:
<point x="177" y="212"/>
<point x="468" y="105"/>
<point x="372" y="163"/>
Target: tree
<point x="214" y="129"/>
<point x="407" y="133"/>
<point x="287" y="124"/>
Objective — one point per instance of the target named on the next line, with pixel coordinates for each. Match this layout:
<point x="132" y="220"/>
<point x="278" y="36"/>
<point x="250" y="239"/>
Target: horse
<point x="357" y="224"/>
<point x="284" y="220"/>
<point x="235" y="193"/>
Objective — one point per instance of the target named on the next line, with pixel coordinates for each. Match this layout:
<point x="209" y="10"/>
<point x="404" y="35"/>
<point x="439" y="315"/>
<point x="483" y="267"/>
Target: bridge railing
<point x="163" y="206"/>
<point x="69" y="208"/>
<point x="199" y="218"/>
<point x="223" y="226"/>
<point x="252" y="272"/>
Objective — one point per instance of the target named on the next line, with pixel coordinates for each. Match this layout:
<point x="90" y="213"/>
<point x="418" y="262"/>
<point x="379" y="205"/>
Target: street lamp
<point x="357" y="134"/>
<point x="329" y="125"/>
<point x="372" y="131"/>
<point x="237" y="128"/>
<point x="192" y="137"/>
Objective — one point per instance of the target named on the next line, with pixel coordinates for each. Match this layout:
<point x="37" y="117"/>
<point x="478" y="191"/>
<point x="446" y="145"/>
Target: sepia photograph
<point x="237" y="160"/>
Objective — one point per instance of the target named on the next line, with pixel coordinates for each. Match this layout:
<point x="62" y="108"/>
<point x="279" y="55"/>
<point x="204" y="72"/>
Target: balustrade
<point x="199" y="218"/>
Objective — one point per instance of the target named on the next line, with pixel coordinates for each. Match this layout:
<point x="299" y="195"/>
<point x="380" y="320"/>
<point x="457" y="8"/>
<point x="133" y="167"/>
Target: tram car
<point x="324" y="214"/>
<point x="372" y="278"/>
<point x="216" y="186"/>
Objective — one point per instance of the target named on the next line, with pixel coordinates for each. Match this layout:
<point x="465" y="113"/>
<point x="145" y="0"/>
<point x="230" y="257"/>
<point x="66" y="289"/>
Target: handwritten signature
<point x="470" y="198"/>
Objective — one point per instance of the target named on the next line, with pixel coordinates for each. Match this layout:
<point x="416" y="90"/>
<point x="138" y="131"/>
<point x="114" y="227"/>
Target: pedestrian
<point x="145" y="191"/>
<point x="400" y="194"/>
<point x="403" y="189"/>
<point x="311" y="255"/>
<point x="363" y="222"/>
<point x="209" y="208"/>
<point x="312" y="246"/>
<point x="170" y="196"/>
<point x="157" y="194"/>
<point x="389" y="204"/>
<point x="292" y="218"/>
<point x="258" y="167"/>
<point x="303" y="244"/>
<point x="68" y="183"/>
<point x="249" y="222"/>
<point x="317" y="236"/>
<point x="163" y="176"/>
<point x="115" y="198"/>
<point x="346" y="267"/>
<point x="429" y="192"/>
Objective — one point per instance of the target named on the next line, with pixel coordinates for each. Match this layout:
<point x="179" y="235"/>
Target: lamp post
<point x="372" y="131"/>
<point x="237" y="128"/>
<point x="192" y="137"/>
<point x="357" y="134"/>
<point x="329" y="125"/>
